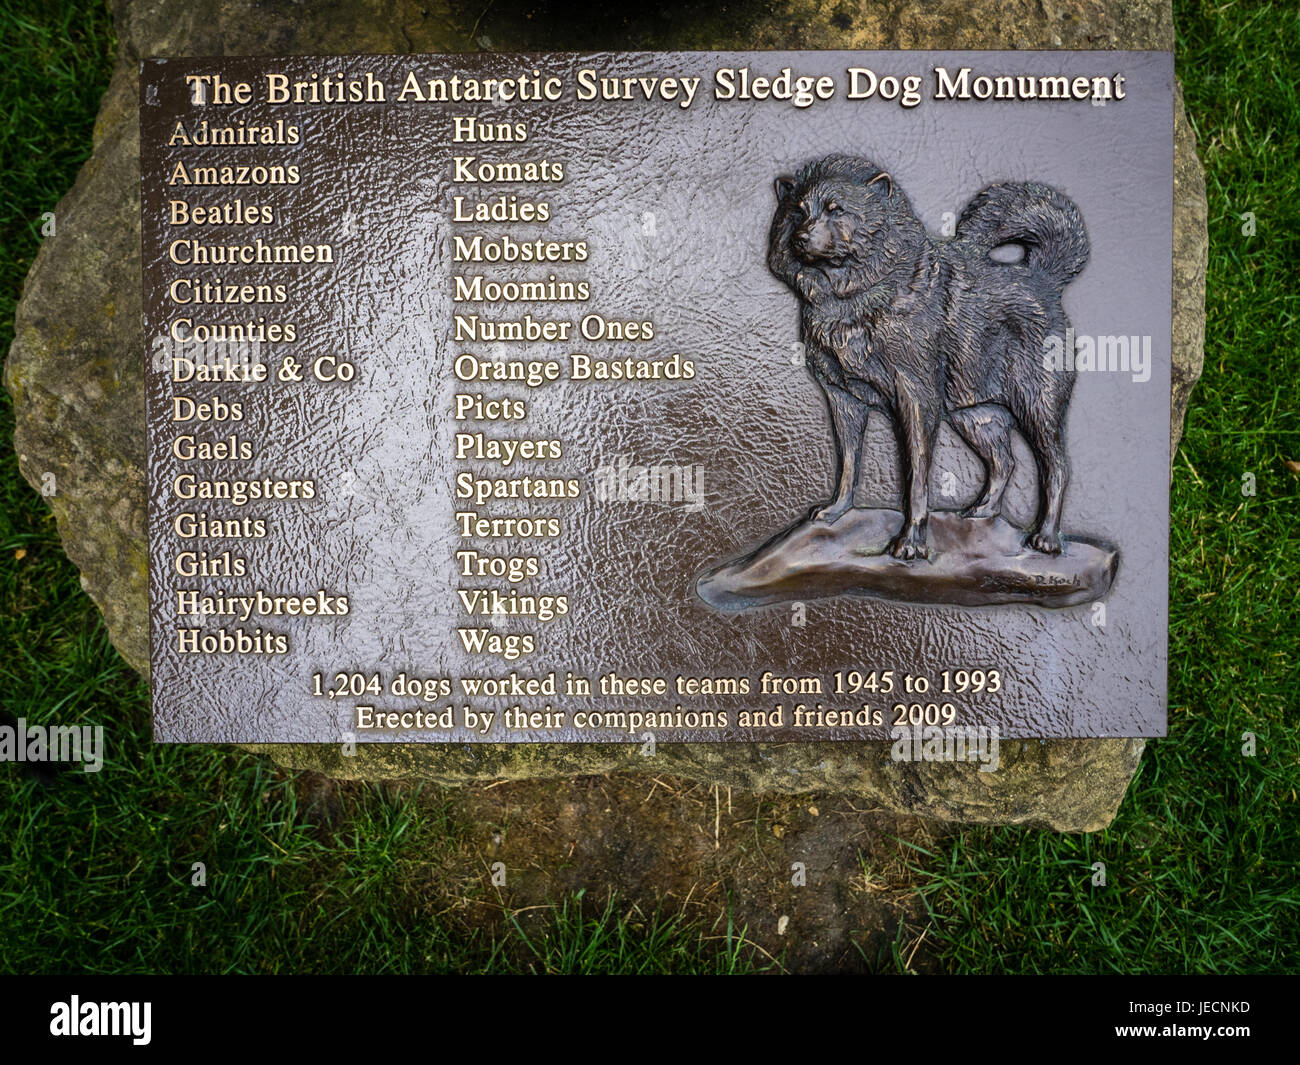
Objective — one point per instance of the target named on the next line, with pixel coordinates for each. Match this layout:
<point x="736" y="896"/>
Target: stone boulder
<point x="76" y="367"/>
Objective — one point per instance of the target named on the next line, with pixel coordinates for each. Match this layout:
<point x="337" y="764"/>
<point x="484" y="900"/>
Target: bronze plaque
<point x="676" y="397"/>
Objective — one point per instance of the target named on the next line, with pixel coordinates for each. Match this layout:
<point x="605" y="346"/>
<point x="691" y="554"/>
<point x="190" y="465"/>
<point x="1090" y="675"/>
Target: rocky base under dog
<point x="973" y="561"/>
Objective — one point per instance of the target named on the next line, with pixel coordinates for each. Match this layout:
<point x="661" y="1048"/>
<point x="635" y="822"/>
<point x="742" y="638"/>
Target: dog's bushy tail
<point x="1044" y="221"/>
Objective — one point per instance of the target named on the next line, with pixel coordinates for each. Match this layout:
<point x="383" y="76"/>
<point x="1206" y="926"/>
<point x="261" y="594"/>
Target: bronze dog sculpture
<point x="931" y="330"/>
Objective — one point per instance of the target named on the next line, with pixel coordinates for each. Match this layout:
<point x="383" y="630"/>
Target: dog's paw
<point x="1045" y="543"/>
<point x="910" y="544"/>
<point x="829" y="512"/>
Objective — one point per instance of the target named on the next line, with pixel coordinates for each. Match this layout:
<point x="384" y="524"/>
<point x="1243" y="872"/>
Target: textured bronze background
<point x="675" y="204"/>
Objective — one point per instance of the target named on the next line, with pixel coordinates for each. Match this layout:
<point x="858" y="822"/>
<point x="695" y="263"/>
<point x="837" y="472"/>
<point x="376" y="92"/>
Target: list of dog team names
<point x="236" y="268"/>
<point x="457" y="381"/>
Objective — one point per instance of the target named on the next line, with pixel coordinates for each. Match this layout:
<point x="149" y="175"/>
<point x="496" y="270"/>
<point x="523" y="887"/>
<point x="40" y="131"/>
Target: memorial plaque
<point x="673" y="397"/>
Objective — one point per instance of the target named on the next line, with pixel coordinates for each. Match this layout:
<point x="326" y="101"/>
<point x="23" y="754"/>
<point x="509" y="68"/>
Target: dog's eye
<point x="832" y="207"/>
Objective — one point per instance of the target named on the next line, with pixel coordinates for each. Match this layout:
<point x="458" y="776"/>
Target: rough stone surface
<point x="76" y="367"/>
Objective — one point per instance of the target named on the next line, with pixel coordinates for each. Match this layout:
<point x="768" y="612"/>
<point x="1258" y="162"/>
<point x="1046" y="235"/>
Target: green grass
<point x="95" y="872"/>
<point x="1202" y="861"/>
<point x="101" y="878"/>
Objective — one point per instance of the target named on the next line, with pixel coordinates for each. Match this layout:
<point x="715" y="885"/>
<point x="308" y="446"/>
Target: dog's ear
<point x="889" y="182"/>
<point x="784" y="188"/>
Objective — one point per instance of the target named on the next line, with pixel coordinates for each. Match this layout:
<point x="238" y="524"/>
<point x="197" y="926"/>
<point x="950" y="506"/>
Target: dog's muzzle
<point x="810" y="247"/>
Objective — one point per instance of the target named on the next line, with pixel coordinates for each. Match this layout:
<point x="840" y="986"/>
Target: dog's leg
<point x="1053" y="473"/>
<point x="916" y="426"/>
<point x="849" y="418"/>
<point x="987" y="429"/>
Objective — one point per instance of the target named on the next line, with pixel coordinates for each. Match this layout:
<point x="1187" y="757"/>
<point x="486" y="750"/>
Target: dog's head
<point x="835" y="213"/>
